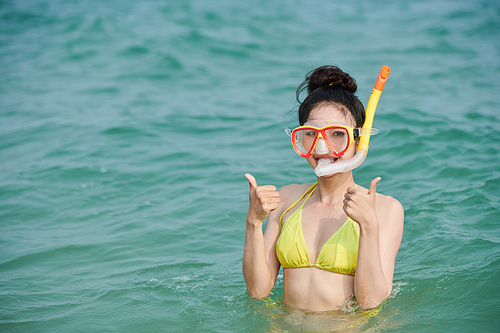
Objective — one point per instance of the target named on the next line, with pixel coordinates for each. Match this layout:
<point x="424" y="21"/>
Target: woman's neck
<point x="331" y="189"/>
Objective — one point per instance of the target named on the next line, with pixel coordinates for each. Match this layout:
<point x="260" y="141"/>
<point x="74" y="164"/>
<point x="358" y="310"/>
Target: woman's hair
<point x="330" y="85"/>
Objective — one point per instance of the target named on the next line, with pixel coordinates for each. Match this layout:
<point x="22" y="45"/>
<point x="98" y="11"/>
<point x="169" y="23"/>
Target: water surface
<point x="126" y="128"/>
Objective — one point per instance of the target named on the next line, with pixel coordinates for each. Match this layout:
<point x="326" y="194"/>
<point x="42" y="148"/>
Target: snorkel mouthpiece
<point x="325" y="169"/>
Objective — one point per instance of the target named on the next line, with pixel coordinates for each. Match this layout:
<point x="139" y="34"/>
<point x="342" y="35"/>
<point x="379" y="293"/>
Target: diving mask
<point x="325" y="136"/>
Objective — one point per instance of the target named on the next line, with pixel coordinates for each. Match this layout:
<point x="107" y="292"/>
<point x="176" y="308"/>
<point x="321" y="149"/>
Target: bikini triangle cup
<point x="339" y="254"/>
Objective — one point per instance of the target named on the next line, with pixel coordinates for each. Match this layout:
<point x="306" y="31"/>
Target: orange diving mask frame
<point x="333" y="137"/>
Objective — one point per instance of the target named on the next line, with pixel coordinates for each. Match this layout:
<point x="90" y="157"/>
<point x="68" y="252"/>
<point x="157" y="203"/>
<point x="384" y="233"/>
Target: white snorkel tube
<point x="325" y="168"/>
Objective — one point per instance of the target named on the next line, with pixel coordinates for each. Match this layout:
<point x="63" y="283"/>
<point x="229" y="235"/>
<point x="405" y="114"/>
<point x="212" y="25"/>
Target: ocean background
<point x="126" y="128"/>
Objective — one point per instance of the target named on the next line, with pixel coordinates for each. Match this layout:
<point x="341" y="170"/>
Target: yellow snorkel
<point x="344" y="166"/>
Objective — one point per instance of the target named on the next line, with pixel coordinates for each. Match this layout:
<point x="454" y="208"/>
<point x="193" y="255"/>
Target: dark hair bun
<point x="329" y="84"/>
<point x="329" y="76"/>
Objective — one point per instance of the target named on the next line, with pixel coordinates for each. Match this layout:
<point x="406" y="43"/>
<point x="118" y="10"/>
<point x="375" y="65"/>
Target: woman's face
<point x="332" y="114"/>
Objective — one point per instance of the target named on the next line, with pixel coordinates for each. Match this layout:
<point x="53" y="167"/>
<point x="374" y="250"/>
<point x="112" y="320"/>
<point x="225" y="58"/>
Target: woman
<point x="335" y="240"/>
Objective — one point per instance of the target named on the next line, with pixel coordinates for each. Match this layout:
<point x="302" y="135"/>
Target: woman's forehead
<point x="331" y="114"/>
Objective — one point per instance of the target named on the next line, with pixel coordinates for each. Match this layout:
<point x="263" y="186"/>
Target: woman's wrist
<point x="253" y="222"/>
<point x="370" y="227"/>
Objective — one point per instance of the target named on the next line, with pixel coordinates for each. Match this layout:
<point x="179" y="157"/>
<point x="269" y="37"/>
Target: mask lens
<point x="304" y="139"/>
<point x="338" y="138"/>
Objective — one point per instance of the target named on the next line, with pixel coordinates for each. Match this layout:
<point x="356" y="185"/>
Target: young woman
<point x="335" y="240"/>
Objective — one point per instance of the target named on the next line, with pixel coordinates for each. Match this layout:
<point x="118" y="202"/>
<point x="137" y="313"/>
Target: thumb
<point x="251" y="181"/>
<point x="373" y="186"/>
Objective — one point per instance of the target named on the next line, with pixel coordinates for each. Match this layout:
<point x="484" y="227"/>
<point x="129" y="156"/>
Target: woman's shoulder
<point x="288" y="195"/>
<point x="388" y="202"/>
<point x="293" y="191"/>
<point x="389" y="210"/>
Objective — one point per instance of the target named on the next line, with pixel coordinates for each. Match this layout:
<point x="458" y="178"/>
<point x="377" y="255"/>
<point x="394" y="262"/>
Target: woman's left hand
<point x="360" y="205"/>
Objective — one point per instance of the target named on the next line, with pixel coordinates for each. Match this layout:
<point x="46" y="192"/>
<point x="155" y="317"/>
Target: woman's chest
<point x="318" y="226"/>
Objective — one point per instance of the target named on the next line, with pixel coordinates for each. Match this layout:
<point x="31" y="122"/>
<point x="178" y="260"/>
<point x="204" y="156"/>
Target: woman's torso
<point x="315" y="288"/>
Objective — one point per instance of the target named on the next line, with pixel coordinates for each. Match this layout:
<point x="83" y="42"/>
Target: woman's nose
<point x="321" y="147"/>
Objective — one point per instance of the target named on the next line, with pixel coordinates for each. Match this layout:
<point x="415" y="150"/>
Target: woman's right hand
<point x="263" y="200"/>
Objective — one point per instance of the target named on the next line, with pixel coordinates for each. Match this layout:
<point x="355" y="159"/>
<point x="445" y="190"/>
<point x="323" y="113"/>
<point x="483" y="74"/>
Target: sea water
<point x="126" y="128"/>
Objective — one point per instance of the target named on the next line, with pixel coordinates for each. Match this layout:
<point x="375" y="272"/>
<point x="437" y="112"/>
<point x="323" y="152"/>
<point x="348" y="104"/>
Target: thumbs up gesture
<point x="360" y="205"/>
<point x="263" y="200"/>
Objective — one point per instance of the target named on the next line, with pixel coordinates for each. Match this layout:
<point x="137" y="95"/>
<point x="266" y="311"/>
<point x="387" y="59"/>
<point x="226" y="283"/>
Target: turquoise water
<point x="126" y="128"/>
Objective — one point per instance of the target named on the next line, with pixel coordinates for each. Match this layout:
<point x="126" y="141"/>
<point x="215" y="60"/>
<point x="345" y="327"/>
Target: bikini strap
<point x="310" y="189"/>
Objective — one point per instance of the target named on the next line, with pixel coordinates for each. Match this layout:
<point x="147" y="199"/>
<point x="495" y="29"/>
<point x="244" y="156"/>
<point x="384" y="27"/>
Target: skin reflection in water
<point x="283" y="318"/>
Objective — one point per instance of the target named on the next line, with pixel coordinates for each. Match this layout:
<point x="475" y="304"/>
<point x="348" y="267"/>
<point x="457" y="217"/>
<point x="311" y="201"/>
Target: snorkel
<point x="325" y="168"/>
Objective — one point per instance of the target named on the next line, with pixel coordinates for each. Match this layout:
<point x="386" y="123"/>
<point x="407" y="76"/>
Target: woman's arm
<point x="381" y="229"/>
<point x="260" y="264"/>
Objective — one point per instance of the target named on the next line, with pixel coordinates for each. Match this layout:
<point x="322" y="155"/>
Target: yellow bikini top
<point x="339" y="254"/>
